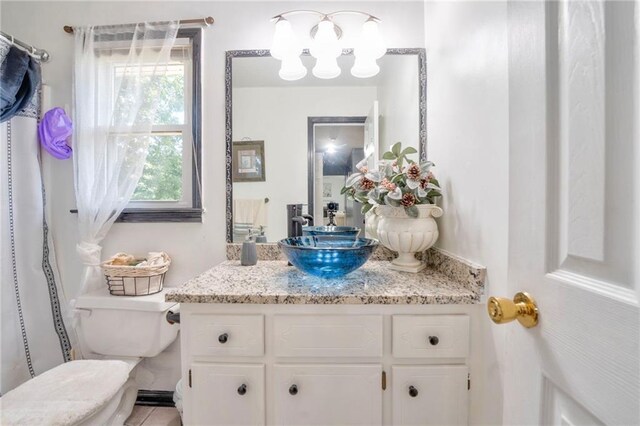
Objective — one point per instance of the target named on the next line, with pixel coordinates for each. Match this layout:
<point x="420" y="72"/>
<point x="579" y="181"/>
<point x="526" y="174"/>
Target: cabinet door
<point x="328" y="394"/>
<point x="429" y="395"/>
<point x="227" y="394"/>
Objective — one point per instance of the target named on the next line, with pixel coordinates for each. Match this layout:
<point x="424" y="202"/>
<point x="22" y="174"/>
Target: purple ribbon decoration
<point x="54" y="130"/>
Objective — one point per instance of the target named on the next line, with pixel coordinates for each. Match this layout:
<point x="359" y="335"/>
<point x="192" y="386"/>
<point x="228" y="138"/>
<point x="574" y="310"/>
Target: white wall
<point x="398" y="95"/>
<point x="467" y="137"/>
<point x="278" y="115"/>
<point x="239" y="25"/>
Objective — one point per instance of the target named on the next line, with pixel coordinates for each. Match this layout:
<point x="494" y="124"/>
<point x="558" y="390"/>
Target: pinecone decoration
<point x="408" y="199"/>
<point x="367" y="184"/>
<point x="413" y="171"/>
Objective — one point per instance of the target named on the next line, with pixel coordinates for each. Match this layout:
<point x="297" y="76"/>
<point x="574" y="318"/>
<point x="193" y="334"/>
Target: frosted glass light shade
<point x="292" y="68"/>
<point x="365" y="67"/>
<point x="368" y="49"/>
<point x="285" y="43"/>
<point x="370" y="42"/>
<point x="326" y="67"/>
<point x="325" y="42"/>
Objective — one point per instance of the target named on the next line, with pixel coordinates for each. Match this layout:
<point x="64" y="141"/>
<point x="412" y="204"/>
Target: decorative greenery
<point x="398" y="182"/>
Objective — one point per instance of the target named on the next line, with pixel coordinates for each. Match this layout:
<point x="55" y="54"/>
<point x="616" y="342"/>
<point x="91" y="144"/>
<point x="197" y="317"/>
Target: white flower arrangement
<point x="398" y="182"/>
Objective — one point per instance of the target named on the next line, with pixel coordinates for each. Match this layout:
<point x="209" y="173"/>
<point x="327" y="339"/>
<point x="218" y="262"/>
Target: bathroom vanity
<point x="267" y="344"/>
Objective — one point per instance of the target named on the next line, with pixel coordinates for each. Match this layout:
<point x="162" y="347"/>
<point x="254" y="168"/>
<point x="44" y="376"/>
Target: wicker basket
<point x="125" y="280"/>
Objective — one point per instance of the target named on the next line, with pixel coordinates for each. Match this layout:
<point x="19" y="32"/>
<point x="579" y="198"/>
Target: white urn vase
<point x="408" y="235"/>
<point x="371" y="220"/>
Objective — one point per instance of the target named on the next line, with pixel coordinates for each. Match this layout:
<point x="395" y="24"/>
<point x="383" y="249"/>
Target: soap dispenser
<point x="261" y="238"/>
<point x="249" y="255"/>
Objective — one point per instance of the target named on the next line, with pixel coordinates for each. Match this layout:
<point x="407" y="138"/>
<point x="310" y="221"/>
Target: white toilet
<point x="118" y="331"/>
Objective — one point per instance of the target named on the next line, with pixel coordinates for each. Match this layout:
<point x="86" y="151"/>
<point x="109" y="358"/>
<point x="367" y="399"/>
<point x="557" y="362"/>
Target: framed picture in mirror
<point x="248" y="161"/>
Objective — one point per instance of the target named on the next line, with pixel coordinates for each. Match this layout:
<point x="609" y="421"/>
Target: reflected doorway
<point x="336" y="145"/>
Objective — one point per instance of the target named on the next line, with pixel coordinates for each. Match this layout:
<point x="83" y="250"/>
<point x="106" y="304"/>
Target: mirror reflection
<point x="293" y="143"/>
<point x="338" y="148"/>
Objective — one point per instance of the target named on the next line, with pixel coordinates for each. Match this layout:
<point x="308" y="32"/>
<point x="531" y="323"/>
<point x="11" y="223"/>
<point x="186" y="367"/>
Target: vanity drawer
<point x="328" y="335"/>
<point x="432" y="336"/>
<point x="226" y="335"/>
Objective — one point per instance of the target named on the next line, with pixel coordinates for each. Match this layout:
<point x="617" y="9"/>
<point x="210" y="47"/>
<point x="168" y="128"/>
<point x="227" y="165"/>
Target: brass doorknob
<point x="523" y="308"/>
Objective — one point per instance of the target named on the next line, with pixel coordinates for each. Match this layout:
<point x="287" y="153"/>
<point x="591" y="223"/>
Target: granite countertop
<point x="273" y="282"/>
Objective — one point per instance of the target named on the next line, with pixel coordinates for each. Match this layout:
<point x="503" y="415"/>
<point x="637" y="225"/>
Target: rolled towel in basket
<point x="154" y="258"/>
<point x="122" y="259"/>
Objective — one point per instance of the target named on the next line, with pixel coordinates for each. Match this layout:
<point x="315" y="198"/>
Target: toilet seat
<point x="77" y="392"/>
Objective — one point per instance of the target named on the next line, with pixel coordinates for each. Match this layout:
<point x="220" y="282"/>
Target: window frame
<point x="193" y="213"/>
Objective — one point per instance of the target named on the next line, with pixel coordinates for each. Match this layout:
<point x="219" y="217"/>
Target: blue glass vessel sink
<point x="347" y="231"/>
<point x="327" y="256"/>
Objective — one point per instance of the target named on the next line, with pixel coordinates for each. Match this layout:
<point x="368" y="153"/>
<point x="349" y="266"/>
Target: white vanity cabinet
<point x="246" y="364"/>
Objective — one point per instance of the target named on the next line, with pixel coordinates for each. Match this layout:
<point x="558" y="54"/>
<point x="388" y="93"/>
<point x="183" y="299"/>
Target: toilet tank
<point x="125" y="326"/>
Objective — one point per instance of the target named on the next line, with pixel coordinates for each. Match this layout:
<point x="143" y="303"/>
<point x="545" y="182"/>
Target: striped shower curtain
<point x="33" y="331"/>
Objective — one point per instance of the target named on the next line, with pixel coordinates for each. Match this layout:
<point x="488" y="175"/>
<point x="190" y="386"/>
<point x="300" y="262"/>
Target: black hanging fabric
<point x="19" y="77"/>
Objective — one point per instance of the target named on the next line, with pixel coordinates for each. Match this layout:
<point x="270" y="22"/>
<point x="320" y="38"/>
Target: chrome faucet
<point x="296" y="220"/>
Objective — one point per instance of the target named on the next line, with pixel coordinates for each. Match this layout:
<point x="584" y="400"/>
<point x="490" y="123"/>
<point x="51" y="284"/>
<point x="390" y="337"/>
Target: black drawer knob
<point x="434" y="340"/>
<point x="293" y="390"/>
<point x="242" y="389"/>
<point x="223" y="338"/>
<point x="413" y="392"/>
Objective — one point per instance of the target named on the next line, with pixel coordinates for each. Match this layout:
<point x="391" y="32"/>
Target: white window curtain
<point x="112" y="123"/>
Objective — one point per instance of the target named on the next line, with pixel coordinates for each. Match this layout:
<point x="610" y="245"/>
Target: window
<point x="169" y="187"/>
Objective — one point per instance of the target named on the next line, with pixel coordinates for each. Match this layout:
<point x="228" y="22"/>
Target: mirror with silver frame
<point x="291" y="144"/>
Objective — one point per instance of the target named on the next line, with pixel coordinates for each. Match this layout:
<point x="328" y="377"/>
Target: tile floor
<point x="153" y="416"/>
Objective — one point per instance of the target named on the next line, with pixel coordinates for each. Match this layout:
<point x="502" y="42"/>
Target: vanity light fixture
<point x="326" y="47"/>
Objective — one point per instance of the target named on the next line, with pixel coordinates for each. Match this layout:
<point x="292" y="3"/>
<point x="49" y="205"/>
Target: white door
<point x="372" y="136"/>
<point x="318" y="202"/>
<point x="574" y="212"/>
<point x="371" y="145"/>
<point x="328" y="394"/>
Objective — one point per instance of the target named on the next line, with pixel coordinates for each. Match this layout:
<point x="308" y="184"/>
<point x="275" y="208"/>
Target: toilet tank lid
<point x="102" y="299"/>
